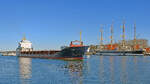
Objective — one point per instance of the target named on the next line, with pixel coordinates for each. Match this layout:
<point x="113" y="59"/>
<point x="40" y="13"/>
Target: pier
<point x="8" y="53"/>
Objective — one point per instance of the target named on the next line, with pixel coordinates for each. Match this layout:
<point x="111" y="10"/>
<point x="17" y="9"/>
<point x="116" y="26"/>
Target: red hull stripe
<point x="46" y="57"/>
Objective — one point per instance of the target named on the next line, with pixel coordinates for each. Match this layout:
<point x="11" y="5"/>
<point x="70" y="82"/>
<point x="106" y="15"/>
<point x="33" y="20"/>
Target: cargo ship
<point x="76" y="50"/>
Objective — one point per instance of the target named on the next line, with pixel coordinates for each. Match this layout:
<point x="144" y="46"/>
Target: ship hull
<point x="120" y="53"/>
<point x="73" y="52"/>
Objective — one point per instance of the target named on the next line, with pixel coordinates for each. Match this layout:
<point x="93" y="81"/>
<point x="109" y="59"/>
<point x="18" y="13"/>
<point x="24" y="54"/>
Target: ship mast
<point x="111" y="34"/>
<point x="80" y="36"/>
<point x="134" y="33"/>
<point x="24" y="37"/>
<point x="123" y="36"/>
<point x="134" y="37"/>
<point x="101" y="39"/>
<point x="101" y="43"/>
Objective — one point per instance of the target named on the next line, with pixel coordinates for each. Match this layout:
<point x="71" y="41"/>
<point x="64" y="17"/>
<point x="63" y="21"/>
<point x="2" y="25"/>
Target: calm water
<point x="93" y="70"/>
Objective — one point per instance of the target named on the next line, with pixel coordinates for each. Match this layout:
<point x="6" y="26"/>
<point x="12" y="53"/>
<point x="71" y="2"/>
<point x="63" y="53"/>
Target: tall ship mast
<point x="111" y="37"/>
<point x="123" y="36"/>
<point x="134" y="34"/>
<point x="135" y="44"/>
<point x="101" y="38"/>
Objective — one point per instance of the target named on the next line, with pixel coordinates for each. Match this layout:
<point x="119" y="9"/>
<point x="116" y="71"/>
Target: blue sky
<point x="49" y="24"/>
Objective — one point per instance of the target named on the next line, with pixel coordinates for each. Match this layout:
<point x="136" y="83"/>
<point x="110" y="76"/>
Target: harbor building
<point x="142" y="43"/>
<point x="24" y="45"/>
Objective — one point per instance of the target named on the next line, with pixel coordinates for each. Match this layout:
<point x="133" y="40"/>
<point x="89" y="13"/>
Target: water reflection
<point x="135" y="70"/>
<point x="124" y="70"/>
<point x="25" y="69"/>
<point x="107" y="70"/>
<point x="102" y="70"/>
<point x="95" y="70"/>
<point x="75" y="71"/>
<point x="112" y="69"/>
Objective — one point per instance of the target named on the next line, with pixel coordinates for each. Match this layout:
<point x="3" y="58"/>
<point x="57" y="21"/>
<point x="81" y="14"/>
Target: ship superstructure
<point x="24" y="45"/>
